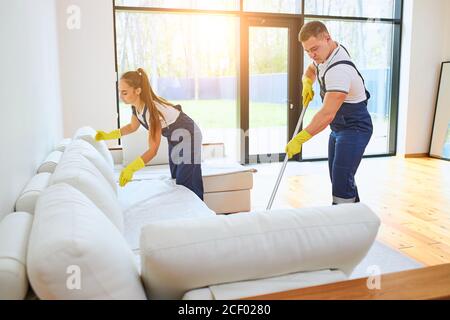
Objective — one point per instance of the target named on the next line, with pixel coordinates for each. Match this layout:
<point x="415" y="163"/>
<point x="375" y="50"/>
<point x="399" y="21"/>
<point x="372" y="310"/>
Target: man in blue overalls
<point x="344" y="98"/>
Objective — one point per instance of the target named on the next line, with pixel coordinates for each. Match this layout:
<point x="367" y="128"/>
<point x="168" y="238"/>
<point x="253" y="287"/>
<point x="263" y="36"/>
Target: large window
<point x="182" y="4"/>
<point x="268" y="56"/>
<point x="352" y="8"/>
<point x="240" y="80"/>
<point x="273" y="6"/>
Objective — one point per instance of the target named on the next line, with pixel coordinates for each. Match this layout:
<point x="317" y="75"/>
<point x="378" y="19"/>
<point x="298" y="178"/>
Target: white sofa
<point x="156" y="240"/>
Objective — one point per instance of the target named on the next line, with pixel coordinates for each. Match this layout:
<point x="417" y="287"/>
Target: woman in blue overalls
<point x="350" y="123"/>
<point x="160" y="118"/>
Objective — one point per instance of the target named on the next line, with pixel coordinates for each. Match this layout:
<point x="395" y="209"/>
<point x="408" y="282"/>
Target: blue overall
<point x="187" y="173"/>
<point x="351" y="131"/>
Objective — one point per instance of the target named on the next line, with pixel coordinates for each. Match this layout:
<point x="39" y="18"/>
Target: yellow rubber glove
<point x="295" y="145"/>
<point x="102" y="135"/>
<point x="127" y="174"/>
<point x="308" y="92"/>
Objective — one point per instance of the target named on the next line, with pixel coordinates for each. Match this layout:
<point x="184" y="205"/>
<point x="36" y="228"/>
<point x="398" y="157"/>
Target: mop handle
<point x="286" y="159"/>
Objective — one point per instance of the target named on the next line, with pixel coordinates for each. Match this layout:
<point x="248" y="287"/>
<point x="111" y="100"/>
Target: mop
<point x="286" y="159"/>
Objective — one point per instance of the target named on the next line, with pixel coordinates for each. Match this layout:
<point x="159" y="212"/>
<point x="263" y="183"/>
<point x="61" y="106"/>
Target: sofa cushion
<point x="14" y="233"/>
<point x="88" y="134"/>
<point x="217" y="176"/>
<point x="75" y="252"/>
<point x="228" y="182"/>
<point x="80" y="173"/>
<point x="61" y="146"/>
<point x="89" y="152"/>
<point x="181" y="255"/>
<point x="50" y="162"/>
<point x="221" y="175"/>
<point x="27" y="199"/>
<point x="252" y="288"/>
<point x="228" y="202"/>
<point x="151" y="200"/>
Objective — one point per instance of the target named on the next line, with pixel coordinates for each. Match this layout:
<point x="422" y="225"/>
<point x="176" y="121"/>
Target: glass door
<point x="270" y="92"/>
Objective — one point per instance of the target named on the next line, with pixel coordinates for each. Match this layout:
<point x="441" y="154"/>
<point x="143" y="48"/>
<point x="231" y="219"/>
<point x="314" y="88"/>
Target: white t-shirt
<point x="170" y="114"/>
<point x="343" y="77"/>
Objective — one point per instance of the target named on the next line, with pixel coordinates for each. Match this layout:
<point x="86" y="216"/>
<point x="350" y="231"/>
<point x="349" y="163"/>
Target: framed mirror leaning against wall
<point x="440" y="139"/>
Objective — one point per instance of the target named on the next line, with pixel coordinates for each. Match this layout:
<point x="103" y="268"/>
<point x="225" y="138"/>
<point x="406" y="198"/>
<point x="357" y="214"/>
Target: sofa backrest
<point x="14" y="234"/>
<point x="77" y="171"/>
<point x="28" y="198"/>
<point x="88" y="134"/>
<point x="75" y="251"/>
<point x="50" y="162"/>
<point x="81" y="147"/>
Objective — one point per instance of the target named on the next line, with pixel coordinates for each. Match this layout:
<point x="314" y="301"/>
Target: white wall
<point x="447" y="33"/>
<point x="425" y="45"/>
<point x="30" y="111"/>
<point x="87" y="65"/>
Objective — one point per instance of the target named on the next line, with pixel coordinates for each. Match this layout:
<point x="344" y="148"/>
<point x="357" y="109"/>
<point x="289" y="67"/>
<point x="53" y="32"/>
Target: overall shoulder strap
<point x="345" y="50"/>
<point x="350" y="63"/>
<point x="342" y="62"/>
<point x="317" y="73"/>
<point x="144" y="116"/>
<point x="144" y="123"/>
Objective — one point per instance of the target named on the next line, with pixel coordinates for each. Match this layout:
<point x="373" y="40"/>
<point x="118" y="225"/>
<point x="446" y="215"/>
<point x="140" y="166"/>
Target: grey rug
<point x="381" y="259"/>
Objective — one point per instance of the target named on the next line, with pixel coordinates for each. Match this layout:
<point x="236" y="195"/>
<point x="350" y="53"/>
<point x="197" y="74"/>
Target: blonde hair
<point x="139" y="79"/>
<point x="312" y="29"/>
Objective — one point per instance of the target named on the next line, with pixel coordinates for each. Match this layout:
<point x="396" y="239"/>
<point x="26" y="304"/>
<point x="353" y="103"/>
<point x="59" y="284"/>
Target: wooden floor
<point x="431" y="283"/>
<point x="411" y="196"/>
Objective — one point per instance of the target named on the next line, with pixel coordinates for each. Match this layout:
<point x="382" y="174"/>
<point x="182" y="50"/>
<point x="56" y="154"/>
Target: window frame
<point x="396" y="22"/>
